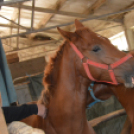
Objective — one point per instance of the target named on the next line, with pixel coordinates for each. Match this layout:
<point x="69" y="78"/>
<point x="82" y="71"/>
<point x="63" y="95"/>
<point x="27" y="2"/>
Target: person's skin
<point x="42" y="110"/>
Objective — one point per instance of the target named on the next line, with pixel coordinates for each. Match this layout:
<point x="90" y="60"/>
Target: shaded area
<point x="36" y="86"/>
<point x="113" y="126"/>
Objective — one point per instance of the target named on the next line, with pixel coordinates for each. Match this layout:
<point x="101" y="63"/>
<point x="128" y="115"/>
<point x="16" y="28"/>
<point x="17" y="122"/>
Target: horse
<point x="83" y="57"/>
<point x="125" y="95"/>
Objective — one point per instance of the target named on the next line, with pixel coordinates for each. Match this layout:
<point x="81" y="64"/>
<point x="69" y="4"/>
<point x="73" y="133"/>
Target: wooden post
<point x="12" y="58"/>
<point x="30" y="67"/>
<point x="3" y="126"/>
<point x="107" y="117"/>
<point x="130" y="38"/>
<point x="129" y="26"/>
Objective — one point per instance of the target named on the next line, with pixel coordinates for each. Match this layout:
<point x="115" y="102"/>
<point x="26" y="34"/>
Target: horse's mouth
<point x="131" y="84"/>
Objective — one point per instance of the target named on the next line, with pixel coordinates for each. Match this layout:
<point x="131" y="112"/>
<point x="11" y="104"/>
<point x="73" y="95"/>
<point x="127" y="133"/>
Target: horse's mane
<point x="50" y="75"/>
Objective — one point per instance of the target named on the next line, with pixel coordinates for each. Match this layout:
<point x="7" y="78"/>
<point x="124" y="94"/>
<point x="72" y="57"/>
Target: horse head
<point x="98" y="59"/>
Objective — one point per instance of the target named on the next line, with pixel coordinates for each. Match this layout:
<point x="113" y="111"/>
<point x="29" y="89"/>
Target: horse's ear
<point x="66" y="35"/>
<point x="78" y="24"/>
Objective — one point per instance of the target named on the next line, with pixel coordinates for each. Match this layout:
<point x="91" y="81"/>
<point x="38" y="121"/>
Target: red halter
<point x="102" y="66"/>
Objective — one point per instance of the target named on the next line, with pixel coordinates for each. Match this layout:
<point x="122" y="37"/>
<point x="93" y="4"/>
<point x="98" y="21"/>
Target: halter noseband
<point x="99" y="65"/>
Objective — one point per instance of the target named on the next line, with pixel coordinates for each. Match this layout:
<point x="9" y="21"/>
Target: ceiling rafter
<point x="13" y="18"/>
<point x="97" y="4"/>
<point x="69" y="23"/>
<point x="7" y="3"/>
<point x="36" y="45"/>
<point x="47" y="17"/>
<point x="13" y="26"/>
<point x="120" y="16"/>
<point x="91" y="9"/>
<point x="13" y="22"/>
<point x="48" y="10"/>
<point x="57" y="41"/>
<point x="42" y="23"/>
<point x="51" y="11"/>
<point x="40" y="53"/>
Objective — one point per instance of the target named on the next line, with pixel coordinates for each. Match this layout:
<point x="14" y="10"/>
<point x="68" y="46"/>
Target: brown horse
<point x="126" y="98"/>
<point x="66" y="80"/>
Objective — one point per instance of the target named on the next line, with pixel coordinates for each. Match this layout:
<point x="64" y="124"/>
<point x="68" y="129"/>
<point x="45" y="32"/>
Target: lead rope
<point x="90" y="88"/>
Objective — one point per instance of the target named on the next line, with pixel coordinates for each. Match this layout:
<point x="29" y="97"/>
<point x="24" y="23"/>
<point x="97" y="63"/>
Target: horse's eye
<point x="96" y="49"/>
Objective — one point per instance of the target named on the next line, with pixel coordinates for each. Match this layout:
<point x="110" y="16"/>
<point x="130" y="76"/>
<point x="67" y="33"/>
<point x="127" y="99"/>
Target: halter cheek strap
<point x="90" y="89"/>
<point x="110" y="68"/>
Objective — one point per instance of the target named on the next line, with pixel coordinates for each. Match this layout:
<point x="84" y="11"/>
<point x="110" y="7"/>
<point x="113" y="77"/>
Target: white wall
<point x="120" y="41"/>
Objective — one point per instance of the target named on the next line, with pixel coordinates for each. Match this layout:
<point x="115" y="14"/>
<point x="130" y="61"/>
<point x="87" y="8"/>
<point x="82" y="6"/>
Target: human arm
<point x="20" y="112"/>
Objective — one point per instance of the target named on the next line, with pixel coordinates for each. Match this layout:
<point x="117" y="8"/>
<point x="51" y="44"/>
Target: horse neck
<point x="121" y="94"/>
<point x="70" y="97"/>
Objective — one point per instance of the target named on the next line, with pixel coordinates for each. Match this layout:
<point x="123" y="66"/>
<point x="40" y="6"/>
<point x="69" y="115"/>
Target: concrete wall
<point x="23" y="94"/>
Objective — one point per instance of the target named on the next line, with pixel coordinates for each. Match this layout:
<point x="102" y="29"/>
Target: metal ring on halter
<point x="83" y="59"/>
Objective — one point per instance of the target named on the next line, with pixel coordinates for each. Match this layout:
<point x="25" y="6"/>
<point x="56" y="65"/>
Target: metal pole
<point x="40" y="53"/>
<point x="13" y="26"/>
<point x="53" y="50"/>
<point x="5" y="3"/>
<point x="47" y="10"/>
<point x="108" y="28"/>
<point x="52" y="41"/>
<point x="14" y="22"/>
<point x="70" y="23"/>
<point x="18" y="27"/>
<point x="32" y="17"/>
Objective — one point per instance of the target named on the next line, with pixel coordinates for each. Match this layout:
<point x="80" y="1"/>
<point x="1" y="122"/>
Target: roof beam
<point x="42" y="23"/>
<point x="47" y="10"/>
<point x="97" y="4"/>
<point x="6" y="3"/>
<point x="36" y="45"/>
<point x="69" y="23"/>
<point x="47" y="17"/>
<point x="39" y="44"/>
<point x="13" y="22"/>
<point x="13" y="26"/>
<point x="120" y="16"/>
<point x="91" y="9"/>
<point x="40" y="53"/>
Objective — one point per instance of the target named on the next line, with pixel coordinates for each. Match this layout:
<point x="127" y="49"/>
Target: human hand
<point x="42" y="110"/>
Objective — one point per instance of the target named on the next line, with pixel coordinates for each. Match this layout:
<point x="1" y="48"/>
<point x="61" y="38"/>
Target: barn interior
<point x="28" y="31"/>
